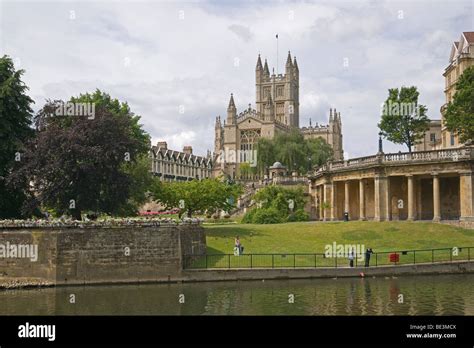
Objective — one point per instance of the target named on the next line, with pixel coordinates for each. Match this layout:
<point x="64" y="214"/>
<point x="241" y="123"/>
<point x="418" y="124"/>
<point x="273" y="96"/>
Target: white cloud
<point x="158" y="56"/>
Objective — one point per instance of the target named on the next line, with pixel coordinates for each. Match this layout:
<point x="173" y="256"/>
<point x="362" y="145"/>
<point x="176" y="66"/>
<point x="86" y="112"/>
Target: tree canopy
<point x="77" y="163"/>
<point x="403" y="120"/>
<point x="459" y="116"/>
<point x="292" y="150"/>
<point x="207" y="195"/>
<point x="15" y="129"/>
<point x="277" y="204"/>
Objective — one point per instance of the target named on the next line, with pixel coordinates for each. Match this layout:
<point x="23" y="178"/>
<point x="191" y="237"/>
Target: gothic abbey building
<point x="277" y="109"/>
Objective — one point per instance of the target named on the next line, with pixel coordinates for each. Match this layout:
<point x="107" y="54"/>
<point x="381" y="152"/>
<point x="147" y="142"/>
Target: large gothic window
<point x="248" y="140"/>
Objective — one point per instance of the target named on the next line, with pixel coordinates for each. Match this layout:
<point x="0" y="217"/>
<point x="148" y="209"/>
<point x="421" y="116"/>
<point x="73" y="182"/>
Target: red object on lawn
<point x="394" y="257"/>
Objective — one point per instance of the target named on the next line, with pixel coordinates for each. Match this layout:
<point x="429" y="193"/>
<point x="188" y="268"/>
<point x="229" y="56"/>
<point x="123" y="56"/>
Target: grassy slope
<point x="310" y="237"/>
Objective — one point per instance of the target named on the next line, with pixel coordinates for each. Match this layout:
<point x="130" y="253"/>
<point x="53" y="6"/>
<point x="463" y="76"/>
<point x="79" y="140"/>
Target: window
<point x="433" y="137"/>
<point x="279" y="91"/>
<point x="452" y="139"/>
<point x="266" y="92"/>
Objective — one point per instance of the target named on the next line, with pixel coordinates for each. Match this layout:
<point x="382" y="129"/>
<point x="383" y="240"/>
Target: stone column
<point x="328" y="188"/>
<point x="346" y="196"/>
<point x="436" y="199"/>
<point x="411" y="198"/>
<point x="466" y="186"/>
<point x="418" y="199"/>
<point x="321" y="200"/>
<point x="333" y="202"/>
<point x="381" y="198"/>
<point x="362" y="199"/>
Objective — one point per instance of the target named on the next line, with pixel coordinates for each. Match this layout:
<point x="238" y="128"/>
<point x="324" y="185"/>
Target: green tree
<point x="15" y="129"/>
<point x="77" y="163"/>
<point x="277" y="204"/>
<point x="459" y="116"/>
<point x="403" y="120"/>
<point x="140" y="185"/>
<point x="292" y="150"/>
<point x="265" y="155"/>
<point x="207" y="195"/>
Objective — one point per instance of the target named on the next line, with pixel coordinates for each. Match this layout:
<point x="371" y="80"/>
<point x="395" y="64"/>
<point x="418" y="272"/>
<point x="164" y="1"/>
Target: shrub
<point x="268" y="216"/>
<point x="298" y="215"/>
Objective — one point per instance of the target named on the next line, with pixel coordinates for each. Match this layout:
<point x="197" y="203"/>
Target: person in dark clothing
<point x="368" y="252"/>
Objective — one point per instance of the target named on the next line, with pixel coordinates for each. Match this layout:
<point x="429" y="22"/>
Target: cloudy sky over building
<point x="176" y="63"/>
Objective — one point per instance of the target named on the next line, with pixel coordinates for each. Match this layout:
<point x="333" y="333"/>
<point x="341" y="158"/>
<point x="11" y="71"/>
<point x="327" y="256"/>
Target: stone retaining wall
<point x="102" y="255"/>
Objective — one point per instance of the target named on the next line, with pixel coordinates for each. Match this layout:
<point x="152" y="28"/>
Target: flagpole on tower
<point x="277" y="52"/>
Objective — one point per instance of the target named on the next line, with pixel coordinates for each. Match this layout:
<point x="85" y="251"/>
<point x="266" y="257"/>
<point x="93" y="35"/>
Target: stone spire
<point x="259" y="64"/>
<point x="295" y="64"/>
<point x="231" y="102"/>
<point x="330" y="115"/>
<point x="266" y="72"/>
<point x="288" y="61"/>
<point x="231" y="111"/>
<point x="289" y="66"/>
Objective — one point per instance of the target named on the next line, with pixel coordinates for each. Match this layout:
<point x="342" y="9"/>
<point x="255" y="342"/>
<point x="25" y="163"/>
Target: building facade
<point x="461" y="57"/>
<point x="171" y="165"/>
<point x="431" y="139"/>
<point x="276" y="110"/>
<point x="436" y="182"/>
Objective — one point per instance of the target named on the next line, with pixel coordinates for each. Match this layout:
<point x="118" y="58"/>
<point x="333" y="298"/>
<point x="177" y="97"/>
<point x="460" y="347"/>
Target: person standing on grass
<point x="367" y="256"/>
<point x="237" y="244"/>
<point x="351" y="258"/>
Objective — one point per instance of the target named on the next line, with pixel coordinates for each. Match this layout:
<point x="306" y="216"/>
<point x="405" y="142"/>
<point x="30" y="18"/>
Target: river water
<point x="420" y="295"/>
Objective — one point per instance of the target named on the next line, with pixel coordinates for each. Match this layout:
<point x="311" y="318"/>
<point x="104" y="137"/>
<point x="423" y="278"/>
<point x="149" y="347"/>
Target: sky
<point x="177" y="62"/>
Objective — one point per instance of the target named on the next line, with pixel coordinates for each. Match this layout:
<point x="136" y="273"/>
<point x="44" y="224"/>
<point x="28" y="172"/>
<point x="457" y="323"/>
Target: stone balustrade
<point x="458" y="154"/>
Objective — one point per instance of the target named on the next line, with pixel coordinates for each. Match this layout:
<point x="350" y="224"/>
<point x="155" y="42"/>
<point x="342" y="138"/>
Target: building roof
<point x="179" y="154"/>
<point x="469" y="35"/>
<point x="277" y="165"/>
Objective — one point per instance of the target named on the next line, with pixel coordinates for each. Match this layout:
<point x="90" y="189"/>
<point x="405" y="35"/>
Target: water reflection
<point x="423" y="295"/>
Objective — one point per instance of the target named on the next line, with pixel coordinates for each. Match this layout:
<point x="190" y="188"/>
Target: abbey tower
<point x="276" y="110"/>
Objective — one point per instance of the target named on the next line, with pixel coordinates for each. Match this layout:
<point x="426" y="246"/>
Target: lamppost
<point x="380" y="143"/>
<point x="309" y="164"/>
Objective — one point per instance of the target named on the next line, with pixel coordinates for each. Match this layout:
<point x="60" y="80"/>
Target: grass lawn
<point x="312" y="237"/>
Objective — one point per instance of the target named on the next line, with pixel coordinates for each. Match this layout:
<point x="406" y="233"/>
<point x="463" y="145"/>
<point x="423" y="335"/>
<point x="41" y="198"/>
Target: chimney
<point x="188" y="150"/>
<point x="162" y="144"/>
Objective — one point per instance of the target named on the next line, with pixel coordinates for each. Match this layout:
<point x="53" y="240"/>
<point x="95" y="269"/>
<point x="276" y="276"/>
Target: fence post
<point x="335" y="260"/>
<point x="294" y="260"/>
<point x="251" y="264"/>
<point x="451" y="255"/>
<point x="228" y="260"/>
<point x="469" y="254"/>
<point x="376" y="259"/>
<point x="206" y="261"/>
<point x="414" y="257"/>
<point x="432" y="255"/>
<point x="273" y="261"/>
<point x="315" y="256"/>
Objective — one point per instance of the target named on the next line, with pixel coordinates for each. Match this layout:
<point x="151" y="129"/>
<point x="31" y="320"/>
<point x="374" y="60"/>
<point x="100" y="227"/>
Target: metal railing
<point x="317" y="260"/>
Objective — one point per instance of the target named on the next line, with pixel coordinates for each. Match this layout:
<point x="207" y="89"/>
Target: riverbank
<point x="211" y="275"/>
<point x="262" y="274"/>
